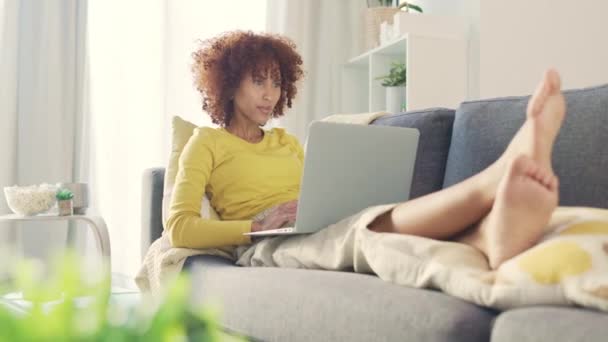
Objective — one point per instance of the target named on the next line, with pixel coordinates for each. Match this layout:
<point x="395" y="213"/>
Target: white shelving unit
<point x="436" y="62"/>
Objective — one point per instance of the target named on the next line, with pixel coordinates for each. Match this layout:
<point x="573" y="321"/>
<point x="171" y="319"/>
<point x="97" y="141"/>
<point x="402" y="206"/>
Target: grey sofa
<point x="273" y="304"/>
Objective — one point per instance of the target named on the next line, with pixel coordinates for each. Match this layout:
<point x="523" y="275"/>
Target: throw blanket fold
<point x="458" y="269"/>
<point x="568" y="267"/>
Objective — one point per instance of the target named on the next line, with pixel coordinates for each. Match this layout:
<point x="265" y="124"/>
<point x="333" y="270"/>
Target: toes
<point x="534" y="171"/>
<point x="537" y="101"/>
<point x="548" y="180"/>
<point x="553" y="80"/>
<point x="554" y="184"/>
<point x="529" y="168"/>
<point x="550" y="85"/>
<point x="544" y="177"/>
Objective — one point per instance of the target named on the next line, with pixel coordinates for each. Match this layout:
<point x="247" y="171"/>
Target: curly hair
<point x="221" y="62"/>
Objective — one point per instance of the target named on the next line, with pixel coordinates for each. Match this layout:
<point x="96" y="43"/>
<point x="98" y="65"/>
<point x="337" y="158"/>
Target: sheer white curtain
<point x="140" y="56"/>
<point x="41" y="103"/>
<point x="8" y="112"/>
<point x="327" y="33"/>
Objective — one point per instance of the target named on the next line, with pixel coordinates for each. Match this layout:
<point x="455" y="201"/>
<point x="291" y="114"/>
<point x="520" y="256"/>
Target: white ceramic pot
<point x="395" y="99"/>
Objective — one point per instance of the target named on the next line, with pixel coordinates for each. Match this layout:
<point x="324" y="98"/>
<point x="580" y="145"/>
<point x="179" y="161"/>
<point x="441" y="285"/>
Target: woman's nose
<point x="268" y="91"/>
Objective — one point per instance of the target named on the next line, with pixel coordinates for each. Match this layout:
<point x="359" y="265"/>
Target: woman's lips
<point x="265" y="110"/>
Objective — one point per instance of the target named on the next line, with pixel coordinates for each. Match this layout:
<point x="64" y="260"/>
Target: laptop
<point x="348" y="168"/>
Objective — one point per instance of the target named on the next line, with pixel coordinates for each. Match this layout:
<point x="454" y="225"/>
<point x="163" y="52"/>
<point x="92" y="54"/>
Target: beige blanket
<point x="569" y="266"/>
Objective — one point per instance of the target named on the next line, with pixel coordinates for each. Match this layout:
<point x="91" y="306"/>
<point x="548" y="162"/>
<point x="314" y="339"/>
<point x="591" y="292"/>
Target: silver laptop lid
<point x="350" y="167"/>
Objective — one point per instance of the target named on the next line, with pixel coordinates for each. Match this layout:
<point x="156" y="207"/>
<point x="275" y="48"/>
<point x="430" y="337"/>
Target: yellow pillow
<point x="181" y="131"/>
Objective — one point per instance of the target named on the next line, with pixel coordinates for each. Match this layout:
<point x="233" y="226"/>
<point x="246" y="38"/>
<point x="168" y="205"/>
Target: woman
<point x="246" y="79"/>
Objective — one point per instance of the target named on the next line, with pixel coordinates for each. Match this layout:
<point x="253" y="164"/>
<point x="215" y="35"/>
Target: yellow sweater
<point x="241" y="179"/>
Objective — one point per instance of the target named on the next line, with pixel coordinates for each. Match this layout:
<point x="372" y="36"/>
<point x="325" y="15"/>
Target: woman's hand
<point x="276" y="217"/>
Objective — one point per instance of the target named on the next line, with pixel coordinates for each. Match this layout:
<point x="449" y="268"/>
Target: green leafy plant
<point x="396" y="76"/>
<point x="69" y="307"/>
<point x="64" y="194"/>
<point x="389" y="3"/>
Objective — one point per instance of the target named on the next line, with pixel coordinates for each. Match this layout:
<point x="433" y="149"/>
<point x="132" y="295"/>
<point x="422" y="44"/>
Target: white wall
<point x="521" y="38"/>
<point x="470" y="10"/>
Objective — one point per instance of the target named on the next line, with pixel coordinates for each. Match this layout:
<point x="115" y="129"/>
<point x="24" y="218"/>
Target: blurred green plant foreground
<point x="99" y="319"/>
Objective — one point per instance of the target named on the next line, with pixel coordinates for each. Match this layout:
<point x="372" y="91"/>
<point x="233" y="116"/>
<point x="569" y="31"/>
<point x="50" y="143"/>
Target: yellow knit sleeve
<point x="294" y="142"/>
<point x="299" y="149"/>
<point x="291" y="140"/>
<point x="185" y="226"/>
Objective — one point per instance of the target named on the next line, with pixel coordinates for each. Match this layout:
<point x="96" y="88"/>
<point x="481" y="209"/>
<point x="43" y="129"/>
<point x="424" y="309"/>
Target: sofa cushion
<point x="435" y="126"/>
<point x="550" y="324"/>
<point x="181" y="131"/>
<point x="483" y="129"/>
<point x="281" y="304"/>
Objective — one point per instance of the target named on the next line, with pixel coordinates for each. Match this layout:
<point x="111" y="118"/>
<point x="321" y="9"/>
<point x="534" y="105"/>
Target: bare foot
<point x="526" y="197"/>
<point x="545" y="114"/>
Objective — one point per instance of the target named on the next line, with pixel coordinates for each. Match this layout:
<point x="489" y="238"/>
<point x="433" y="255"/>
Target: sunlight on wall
<point x="192" y="20"/>
<point x="140" y="56"/>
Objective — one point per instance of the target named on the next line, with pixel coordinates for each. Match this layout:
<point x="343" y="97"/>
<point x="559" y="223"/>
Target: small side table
<point x="100" y="230"/>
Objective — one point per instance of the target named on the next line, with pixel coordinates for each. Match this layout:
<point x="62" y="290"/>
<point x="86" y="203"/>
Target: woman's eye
<point x="277" y="84"/>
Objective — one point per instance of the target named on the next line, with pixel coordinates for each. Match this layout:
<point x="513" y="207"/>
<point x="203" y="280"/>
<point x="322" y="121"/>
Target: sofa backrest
<point x="482" y="130"/>
<point x="435" y="126"/>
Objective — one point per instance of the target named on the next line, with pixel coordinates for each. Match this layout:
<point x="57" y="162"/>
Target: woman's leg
<point x="449" y="212"/>
<point x="442" y="214"/>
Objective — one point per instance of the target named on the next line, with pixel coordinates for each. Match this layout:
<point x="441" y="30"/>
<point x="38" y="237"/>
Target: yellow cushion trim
<point x="549" y="264"/>
<point x="589" y="227"/>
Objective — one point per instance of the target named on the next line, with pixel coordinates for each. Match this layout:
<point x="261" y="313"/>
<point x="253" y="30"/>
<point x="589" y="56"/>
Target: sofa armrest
<point x="151" y="207"/>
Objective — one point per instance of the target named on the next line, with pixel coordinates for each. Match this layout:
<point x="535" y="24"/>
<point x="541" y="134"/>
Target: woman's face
<point x="257" y="95"/>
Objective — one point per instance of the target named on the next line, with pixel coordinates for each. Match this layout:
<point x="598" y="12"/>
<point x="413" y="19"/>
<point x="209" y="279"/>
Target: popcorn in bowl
<point x="30" y="200"/>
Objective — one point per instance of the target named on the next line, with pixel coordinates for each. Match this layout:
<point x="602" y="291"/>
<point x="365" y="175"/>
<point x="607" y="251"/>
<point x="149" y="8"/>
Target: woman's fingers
<point x="279" y="220"/>
<point x="280" y="215"/>
<point x="288" y="211"/>
<point x="289" y="205"/>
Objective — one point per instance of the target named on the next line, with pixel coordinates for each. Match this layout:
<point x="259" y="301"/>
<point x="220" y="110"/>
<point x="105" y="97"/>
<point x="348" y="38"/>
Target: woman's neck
<point x="249" y="131"/>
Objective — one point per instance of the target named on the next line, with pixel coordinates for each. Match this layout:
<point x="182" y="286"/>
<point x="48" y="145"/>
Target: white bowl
<point x="30" y="200"/>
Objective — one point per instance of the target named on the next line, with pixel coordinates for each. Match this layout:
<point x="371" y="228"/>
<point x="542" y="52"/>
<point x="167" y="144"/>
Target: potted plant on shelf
<point x="379" y="11"/>
<point x="65" y="205"/>
<point x="395" y="85"/>
<point x="391" y="3"/>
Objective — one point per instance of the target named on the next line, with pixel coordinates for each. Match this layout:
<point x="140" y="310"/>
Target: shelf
<point x="396" y="47"/>
<point x="40" y="217"/>
<point x="436" y="72"/>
